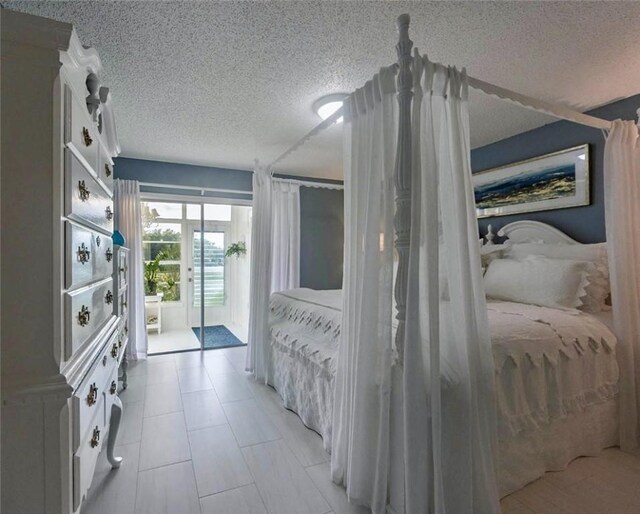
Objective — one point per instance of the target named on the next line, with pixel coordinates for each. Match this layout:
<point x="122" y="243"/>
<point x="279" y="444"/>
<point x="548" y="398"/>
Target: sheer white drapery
<point x="622" y="217"/>
<point x="361" y="424"/>
<point x="260" y="279"/>
<point x="128" y="220"/>
<point x="449" y="411"/>
<point x="433" y="443"/>
<point x="285" y="272"/>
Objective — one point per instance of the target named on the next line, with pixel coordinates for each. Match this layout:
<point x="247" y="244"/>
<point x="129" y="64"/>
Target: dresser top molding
<point x="78" y="61"/>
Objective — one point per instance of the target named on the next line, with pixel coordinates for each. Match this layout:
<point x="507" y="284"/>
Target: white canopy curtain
<point x="449" y="413"/>
<point x="285" y="257"/>
<point x="444" y="437"/>
<point x="128" y="220"/>
<point x="361" y="421"/>
<point x="622" y="217"/>
<point x="260" y="276"/>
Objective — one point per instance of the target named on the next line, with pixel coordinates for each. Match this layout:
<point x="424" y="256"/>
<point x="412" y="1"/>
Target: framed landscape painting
<point x="553" y="181"/>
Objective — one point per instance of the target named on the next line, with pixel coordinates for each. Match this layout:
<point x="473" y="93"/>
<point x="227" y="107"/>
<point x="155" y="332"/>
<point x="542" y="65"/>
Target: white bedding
<point x="556" y="377"/>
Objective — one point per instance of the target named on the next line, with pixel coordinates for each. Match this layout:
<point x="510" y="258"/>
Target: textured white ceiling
<point x="220" y="83"/>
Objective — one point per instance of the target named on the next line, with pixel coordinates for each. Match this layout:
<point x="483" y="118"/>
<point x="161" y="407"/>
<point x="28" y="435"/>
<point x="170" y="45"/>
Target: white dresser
<point x="63" y="317"/>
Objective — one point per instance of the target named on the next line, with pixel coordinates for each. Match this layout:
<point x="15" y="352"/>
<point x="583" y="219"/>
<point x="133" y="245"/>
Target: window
<point x="213" y="269"/>
<point x="162" y="249"/>
<point x="212" y="212"/>
<point x="151" y="211"/>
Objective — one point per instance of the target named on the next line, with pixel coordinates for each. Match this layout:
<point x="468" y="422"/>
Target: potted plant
<point x="237" y="249"/>
<point x="151" y="270"/>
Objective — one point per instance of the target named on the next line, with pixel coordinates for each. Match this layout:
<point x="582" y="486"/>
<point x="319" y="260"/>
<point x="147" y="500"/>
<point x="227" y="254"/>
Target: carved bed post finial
<point x="402" y="219"/>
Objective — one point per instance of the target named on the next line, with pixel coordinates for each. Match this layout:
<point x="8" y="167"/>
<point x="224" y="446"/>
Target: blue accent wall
<point x="167" y="173"/>
<point x="321" y="210"/>
<point x="585" y="224"/>
<point x="321" y="238"/>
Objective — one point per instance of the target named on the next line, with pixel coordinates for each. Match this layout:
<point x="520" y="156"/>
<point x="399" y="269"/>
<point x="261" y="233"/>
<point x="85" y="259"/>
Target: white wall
<point x="239" y="267"/>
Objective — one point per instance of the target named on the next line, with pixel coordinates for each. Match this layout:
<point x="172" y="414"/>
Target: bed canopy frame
<point x="558" y="111"/>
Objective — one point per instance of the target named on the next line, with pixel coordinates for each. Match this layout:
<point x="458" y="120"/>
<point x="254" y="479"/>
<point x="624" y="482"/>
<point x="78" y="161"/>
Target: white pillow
<point x="599" y="287"/>
<point x="556" y="283"/>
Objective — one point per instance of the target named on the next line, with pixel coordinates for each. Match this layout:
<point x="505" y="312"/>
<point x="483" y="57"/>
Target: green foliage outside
<point x="162" y="245"/>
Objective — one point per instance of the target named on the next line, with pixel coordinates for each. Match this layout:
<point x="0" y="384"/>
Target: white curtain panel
<point x="128" y="220"/>
<point x="260" y="279"/>
<point x="416" y="436"/>
<point x="285" y="256"/>
<point x="622" y="215"/>
<point x="361" y="418"/>
<point x="449" y="412"/>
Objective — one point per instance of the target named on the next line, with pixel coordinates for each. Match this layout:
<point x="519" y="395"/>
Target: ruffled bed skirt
<point x="523" y="456"/>
<point x="305" y="388"/>
<point x="526" y="457"/>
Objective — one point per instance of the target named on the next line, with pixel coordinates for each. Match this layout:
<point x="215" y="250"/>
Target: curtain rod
<point x="307" y="183"/>
<point x="314" y="131"/>
<point x="196" y="188"/>
<point x="558" y="111"/>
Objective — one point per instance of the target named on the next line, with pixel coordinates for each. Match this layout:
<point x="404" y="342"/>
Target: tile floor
<point x="199" y="436"/>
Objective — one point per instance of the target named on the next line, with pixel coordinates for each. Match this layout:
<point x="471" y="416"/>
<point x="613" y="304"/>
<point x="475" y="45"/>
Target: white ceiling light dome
<point x="328" y="104"/>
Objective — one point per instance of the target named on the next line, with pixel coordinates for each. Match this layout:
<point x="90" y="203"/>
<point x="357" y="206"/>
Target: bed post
<point x="402" y="219"/>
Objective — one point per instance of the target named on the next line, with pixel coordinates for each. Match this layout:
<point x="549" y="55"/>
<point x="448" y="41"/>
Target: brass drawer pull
<point x="83" y="316"/>
<point x="92" y="397"/>
<point x="108" y="213"/>
<point x="86" y="137"/>
<point x="108" y="298"/>
<point x="83" y="254"/>
<point x="98" y="241"/>
<point x="95" y="439"/>
<point x="109" y="254"/>
<point x="114" y="351"/>
<point x="83" y="191"/>
<point x="113" y="388"/>
<point x="104" y="360"/>
<point x="107" y="170"/>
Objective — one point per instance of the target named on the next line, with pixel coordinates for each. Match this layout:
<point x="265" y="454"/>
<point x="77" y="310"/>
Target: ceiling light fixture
<point x="327" y="105"/>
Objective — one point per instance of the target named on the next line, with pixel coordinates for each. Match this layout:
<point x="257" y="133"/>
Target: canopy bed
<point x="416" y="380"/>
<point x="555" y="371"/>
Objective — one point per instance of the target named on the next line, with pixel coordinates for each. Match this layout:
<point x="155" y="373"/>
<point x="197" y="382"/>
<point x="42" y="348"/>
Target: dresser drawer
<point x="88" y="256"/>
<point x="86" y="310"/>
<point x="80" y="132"/>
<point x="105" y="169"/>
<point x="85" y="200"/>
<point x="86" y="456"/>
<point x="85" y="401"/>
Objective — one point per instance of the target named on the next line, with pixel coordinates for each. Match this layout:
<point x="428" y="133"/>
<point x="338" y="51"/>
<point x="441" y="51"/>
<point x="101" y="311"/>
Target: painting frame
<point x="554" y="167"/>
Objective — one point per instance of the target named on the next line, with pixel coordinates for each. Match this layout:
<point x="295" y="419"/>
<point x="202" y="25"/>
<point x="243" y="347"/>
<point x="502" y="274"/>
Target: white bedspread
<point x="551" y="367"/>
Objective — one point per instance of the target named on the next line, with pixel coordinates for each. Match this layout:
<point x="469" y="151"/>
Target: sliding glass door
<point x="197" y="297"/>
